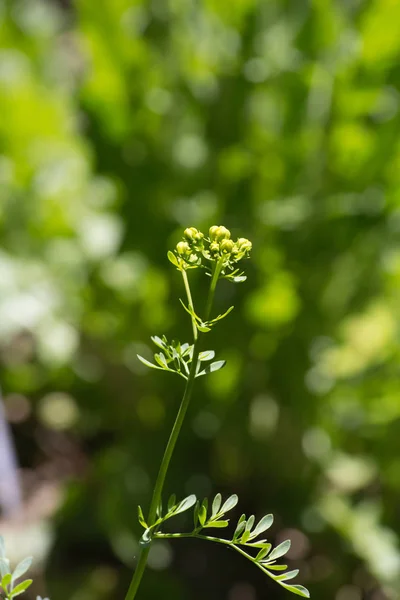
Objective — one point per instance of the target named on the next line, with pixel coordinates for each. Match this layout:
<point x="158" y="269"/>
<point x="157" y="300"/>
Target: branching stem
<point x="173" y="438"/>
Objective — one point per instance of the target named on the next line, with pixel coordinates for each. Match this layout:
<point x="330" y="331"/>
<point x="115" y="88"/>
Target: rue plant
<point x="219" y="257"/>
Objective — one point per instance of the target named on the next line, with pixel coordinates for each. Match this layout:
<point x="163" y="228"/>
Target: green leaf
<point x="288" y="575"/>
<point x="162" y="361"/>
<point x="2" y="547"/>
<point x="250" y="523"/>
<point x="20" y="588"/>
<point x="215" y="366"/>
<point x="190" y="311"/>
<point x="158" y="341"/>
<point x="263" y="552"/>
<point x="245" y="537"/>
<point x="203" y="512"/>
<point x="207" y="355"/>
<point x="217" y="524"/>
<point x="262" y="526"/>
<point x="203" y="328"/>
<point x="171" y="502"/>
<point x="159" y="509"/>
<point x="280" y="550"/>
<point x="172" y="259"/>
<point x="300" y="590"/>
<point x="196" y="513"/>
<point x="216" y="505"/>
<point x="147" y="363"/>
<point x="4" y="566"/>
<point x="22" y="568"/>
<point x="141" y="517"/>
<point x="232" y="501"/>
<point x="226" y="313"/>
<point x="185" y="504"/>
<point x="240" y="527"/>
<point x="265" y="563"/>
<point x="6" y="580"/>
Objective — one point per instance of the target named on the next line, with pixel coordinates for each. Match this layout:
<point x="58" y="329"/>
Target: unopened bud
<point x="214" y="247"/>
<point x="222" y="233"/>
<point x="212" y="232"/>
<point x="244" y="245"/>
<point x="183" y="248"/>
<point x="227" y="246"/>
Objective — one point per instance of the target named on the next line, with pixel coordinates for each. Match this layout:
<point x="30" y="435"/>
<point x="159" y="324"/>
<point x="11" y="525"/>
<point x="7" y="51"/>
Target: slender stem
<point x="190" y="302"/>
<point x="162" y="473"/>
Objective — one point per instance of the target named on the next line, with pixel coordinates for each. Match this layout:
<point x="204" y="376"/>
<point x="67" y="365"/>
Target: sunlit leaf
<point x="216" y="505"/>
<point x="20" y="588"/>
<point x="185" y="504"/>
<point x="280" y="550"/>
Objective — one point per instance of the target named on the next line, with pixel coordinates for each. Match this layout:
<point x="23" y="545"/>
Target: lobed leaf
<point x="263" y="552"/>
<point x="240" y="527"/>
<point x="141" y="517"/>
<point x="280" y="550"/>
<point x="232" y="501"/>
<point x="262" y="526"/>
<point x="185" y="504"/>
<point x="171" y="502"/>
<point x="172" y="259"/>
<point x="20" y="588"/>
<point x="216" y="505"/>
<point x="4" y="566"/>
<point x="147" y="362"/>
<point x="288" y="575"/>
<point x="215" y="366"/>
<point x="22" y="568"/>
<point x="217" y="524"/>
<point x="6" y="580"/>
<point x="206" y="355"/>
<point x="300" y="590"/>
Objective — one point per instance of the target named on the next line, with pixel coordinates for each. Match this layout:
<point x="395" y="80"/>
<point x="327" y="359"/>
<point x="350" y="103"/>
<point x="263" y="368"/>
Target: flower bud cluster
<point x="189" y="250"/>
<point x="194" y="247"/>
<point x="221" y="245"/>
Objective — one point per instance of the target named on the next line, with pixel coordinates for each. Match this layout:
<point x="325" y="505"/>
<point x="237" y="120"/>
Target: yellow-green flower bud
<point x="222" y="233"/>
<point x="183" y="248"/>
<point x="226" y="246"/>
<point x="214" y="247"/>
<point x="193" y="235"/>
<point x="212" y="232"/>
<point x="244" y="245"/>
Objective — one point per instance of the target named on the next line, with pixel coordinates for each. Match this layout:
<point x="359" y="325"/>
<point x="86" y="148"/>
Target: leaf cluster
<point x="177" y="358"/>
<point x="9" y="586"/>
<point x="244" y="540"/>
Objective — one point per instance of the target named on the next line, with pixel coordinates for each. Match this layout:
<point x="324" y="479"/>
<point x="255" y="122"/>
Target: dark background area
<point x="121" y="123"/>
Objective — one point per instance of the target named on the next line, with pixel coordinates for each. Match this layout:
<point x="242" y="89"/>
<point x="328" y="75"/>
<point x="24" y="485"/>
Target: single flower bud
<point x="182" y="248"/>
<point x="226" y="246"/>
<point x="214" y="247"/>
<point x="212" y="232"/>
<point x="222" y="233"/>
<point x="244" y="245"/>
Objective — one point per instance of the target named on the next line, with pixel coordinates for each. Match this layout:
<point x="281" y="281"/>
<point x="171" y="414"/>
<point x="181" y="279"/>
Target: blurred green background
<point x="121" y="123"/>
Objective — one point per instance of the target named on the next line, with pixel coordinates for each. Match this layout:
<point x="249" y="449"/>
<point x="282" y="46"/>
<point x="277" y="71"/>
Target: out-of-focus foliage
<point x="123" y="121"/>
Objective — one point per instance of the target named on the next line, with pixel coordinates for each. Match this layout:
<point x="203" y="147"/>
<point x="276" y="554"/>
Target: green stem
<point x="190" y="302"/>
<point x="173" y="438"/>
